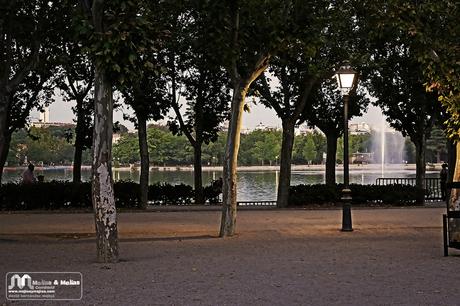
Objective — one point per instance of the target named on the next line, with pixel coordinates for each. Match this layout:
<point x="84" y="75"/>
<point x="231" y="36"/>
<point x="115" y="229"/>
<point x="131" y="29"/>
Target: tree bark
<point x="197" y="171"/>
<point x="79" y="139"/>
<point x="285" y="163"/>
<point x="144" y="154"/>
<point x="420" y="168"/>
<point x="5" y="147"/>
<point x="228" y="222"/>
<point x="102" y="179"/>
<point x="451" y="159"/>
<point x="331" y="158"/>
<point x="454" y="202"/>
<point x="4" y="133"/>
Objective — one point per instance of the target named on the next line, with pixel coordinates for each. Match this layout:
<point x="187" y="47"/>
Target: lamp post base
<point x="346" y="211"/>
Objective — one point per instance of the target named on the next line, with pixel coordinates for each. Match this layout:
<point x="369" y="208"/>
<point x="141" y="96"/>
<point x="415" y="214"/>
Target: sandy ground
<point x="279" y="257"/>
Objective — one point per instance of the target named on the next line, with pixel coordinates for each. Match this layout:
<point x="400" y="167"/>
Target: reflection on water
<point x="252" y="185"/>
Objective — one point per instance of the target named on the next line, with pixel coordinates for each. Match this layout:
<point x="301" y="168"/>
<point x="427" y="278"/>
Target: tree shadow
<point x="172" y="238"/>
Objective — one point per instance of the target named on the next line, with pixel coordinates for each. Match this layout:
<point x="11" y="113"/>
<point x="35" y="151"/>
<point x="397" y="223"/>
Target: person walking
<point x="443" y="179"/>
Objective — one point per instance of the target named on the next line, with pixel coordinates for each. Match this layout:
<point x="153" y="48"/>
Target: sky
<point x="62" y="112"/>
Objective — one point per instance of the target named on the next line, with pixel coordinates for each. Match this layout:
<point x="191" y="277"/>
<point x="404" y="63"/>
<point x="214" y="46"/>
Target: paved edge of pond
<point x="191" y="208"/>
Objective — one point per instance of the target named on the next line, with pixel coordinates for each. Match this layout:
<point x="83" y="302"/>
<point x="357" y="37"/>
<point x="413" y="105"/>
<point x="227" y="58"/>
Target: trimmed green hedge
<point x="60" y="194"/>
<point x="361" y="194"/>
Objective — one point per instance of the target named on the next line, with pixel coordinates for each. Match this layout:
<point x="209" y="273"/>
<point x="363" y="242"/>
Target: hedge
<point x="59" y="194"/>
<point x="62" y="194"/>
<point x="361" y="194"/>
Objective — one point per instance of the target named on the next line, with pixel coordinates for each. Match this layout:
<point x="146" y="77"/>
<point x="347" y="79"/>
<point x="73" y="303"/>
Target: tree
<point x="27" y="59"/>
<point x="116" y="35"/>
<point x="434" y="26"/>
<point x="312" y="58"/>
<point x="76" y="82"/>
<point x="436" y="145"/>
<point x="148" y="97"/>
<point x="326" y="112"/>
<point x="147" y="93"/>
<point x="204" y="87"/>
<point x="246" y="34"/>
<point x="394" y="76"/>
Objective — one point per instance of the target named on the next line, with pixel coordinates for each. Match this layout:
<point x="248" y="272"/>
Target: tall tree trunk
<point x="285" y="163"/>
<point x="4" y="134"/>
<point x="144" y="152"/>
<point x="102" y="179"/>
<point x="331" y="158"/>
<point x="454" y="202"/>
<point x="228" y="222"/>
<point x="420" y="168"/>
<point x="451" y="159"/>
<point x="79" y="138"/>
<point x="197" y="172"/>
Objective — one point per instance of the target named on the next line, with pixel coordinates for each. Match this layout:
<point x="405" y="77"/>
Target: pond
<point x="252" y="185"/>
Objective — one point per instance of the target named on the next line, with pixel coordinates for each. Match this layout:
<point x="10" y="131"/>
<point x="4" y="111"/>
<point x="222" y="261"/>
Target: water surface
<point x="252" y="185"/>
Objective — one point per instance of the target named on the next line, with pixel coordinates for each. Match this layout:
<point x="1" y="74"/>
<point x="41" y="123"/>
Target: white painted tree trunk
<point x="228" y="222"/>
<point x="102" y="180"/>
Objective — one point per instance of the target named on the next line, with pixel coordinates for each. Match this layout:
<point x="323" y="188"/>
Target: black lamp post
<point x="346" y="78"/>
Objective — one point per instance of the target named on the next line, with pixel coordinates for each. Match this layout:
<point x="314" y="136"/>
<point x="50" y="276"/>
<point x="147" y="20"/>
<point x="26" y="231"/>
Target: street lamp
<point x="346" y="79"/>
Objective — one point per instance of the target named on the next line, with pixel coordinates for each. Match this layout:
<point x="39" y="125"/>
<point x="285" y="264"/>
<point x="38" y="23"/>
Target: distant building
<point x="40" y="124"/>
<point x="305" y="129"/>
<point x="260" y="126"/>
<point x="44" y="120"/>
<point x="45" y="115"/>
<point x="263" y="127"/>
<point x="359" y="128"/>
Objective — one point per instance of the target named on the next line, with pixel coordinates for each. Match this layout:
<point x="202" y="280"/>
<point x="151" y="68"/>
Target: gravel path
<point x="279" y="257"/>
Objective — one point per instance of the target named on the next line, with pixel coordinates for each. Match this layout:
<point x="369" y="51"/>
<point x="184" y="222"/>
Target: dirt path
<point x="279" y="257"/>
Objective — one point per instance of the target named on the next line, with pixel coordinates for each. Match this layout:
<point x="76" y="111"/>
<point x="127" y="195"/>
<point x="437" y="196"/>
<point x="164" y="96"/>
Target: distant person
<point x="443" y="178"/>
<point x="217" y="185"/>
<point x="28" y="176"/>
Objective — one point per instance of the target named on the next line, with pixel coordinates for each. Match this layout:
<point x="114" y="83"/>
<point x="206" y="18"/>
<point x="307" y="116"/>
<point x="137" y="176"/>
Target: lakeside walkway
<point x="278" y="257"/>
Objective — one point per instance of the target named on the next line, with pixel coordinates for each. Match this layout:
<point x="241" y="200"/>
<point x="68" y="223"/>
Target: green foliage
<point x="260" y="147"/>
<point x="47" y="144"/>
<point x="436" y="146"/>
<point x="435" y="31"/>
<point x="309" y="148"/>
<point x="196" y="70"/>
<point x="325" y="109"/>
<point x="400" y="195"/>
<point x="126" y="150"/>
<point x="393" y="71"/>
<point x="165" y="148"/>
<point x="120" y="38"/>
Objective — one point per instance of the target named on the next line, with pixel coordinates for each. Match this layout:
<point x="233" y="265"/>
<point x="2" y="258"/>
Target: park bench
<point x="448" y="242"/>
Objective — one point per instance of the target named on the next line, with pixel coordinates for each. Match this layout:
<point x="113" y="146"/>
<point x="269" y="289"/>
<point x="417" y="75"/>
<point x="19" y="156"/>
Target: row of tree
<point x="198" y="55"/>
<point x="54" y="146"/>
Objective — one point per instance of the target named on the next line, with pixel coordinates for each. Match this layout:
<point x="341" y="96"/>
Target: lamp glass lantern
<point x="346" y="78"/>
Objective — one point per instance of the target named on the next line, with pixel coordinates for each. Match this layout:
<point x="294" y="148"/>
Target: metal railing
<point x="256" y="203"/>
<point x="432" y="185"/>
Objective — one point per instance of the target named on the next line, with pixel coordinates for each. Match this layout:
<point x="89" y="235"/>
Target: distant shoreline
<point x="388" y="167"/>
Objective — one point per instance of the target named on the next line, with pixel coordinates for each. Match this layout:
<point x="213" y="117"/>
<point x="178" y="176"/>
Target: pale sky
<point x="61" y="112"/>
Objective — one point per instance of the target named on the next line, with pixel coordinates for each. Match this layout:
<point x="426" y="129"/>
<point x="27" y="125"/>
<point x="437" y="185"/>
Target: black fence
<point x="256" y="203"/>
<point x="432" y="185"/>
